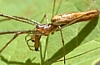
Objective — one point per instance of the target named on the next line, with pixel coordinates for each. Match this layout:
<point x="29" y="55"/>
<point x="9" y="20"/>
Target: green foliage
<point x="82" y="40"/>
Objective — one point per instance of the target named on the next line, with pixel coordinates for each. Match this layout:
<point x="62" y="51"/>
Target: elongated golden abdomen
<point x="74" y="17"/>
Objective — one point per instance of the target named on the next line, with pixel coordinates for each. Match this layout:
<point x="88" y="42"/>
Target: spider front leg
<point x="15" y="36"/>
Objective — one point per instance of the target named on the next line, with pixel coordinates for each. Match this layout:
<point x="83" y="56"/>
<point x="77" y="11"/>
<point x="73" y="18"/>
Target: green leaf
<point x="82" y="40"/>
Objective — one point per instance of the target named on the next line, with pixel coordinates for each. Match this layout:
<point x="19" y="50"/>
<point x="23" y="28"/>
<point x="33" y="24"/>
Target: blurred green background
<point x="81" y="39"/>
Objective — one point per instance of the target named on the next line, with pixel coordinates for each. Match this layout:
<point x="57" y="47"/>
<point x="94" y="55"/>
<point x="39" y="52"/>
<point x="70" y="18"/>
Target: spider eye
<point x="33" y="40"/>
